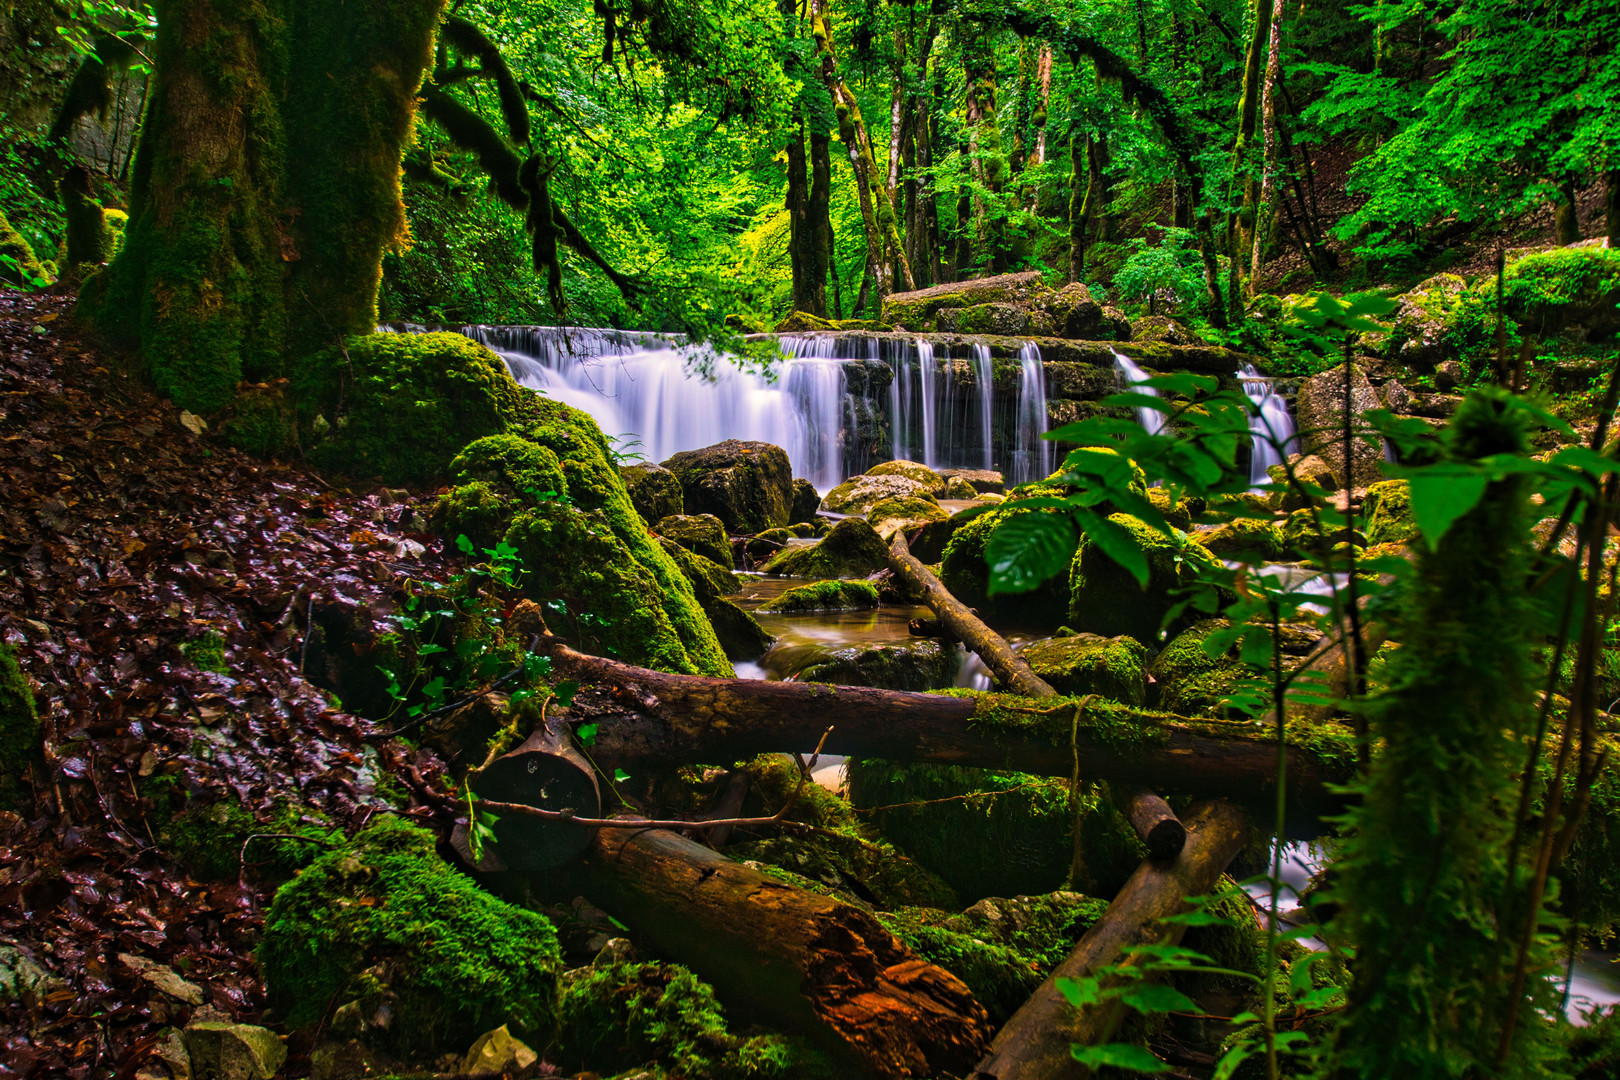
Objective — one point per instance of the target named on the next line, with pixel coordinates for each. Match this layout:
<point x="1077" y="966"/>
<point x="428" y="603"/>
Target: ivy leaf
<point x="586" y="734"/>
<point x="620" y="776"/>
<point x="1118" y="1056"/>
<point x="564" y="692"/>
<point x="1028" y="549"/>
<point x="1117" y="543"/>
<point x="1441" y="495"/>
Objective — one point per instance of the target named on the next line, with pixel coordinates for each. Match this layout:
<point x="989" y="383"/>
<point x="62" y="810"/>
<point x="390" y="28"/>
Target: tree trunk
<point x="1154" y="822"/>
<point x="1265" y="214"/>
<point x="1245" y="176"/>
<point x="819" y="251"/>
<point x="963" y="625"/>
<point x="1566" y="215"/>
<point x="266" y="187"/>
<point x="1034" y="1044"/>
<point x="1023" y="110"/>
<point x="1611" y="206"/>
<point x="1079" y="200"/>
<point x="805" y="253"/>
<point x="795" y="958"/>
<point x="1100" y="199"/>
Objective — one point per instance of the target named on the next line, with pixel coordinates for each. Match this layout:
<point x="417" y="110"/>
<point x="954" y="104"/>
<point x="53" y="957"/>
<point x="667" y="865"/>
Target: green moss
<point x="113" y="224"/>
<point x="625" y="1016"/>
<point x="14" y="247"/>
<point x="495" y="476"/>
<point x="475" y="511"/>
<point x="1191" y="682"/>
<point x="920" y="665"/>
<point x="964" y="571"/>
<point x="1550" y="288"/>
<point x="207" y="652"/>
<point x="826" y="596"/>
<point x="909" y="512"/>
<point x="1106" y="599"/>
<point x="206" y="837"/>
<point x="850" y="549"/>
<point x="915" y="471"/>
<point x="739" y="633"/>
<point x="1250" y="537"/>
<point x="701" y="534"/>
<point x="1115" y="668"/>
<point x="21" y="748"/>
<point x="1310" y="532"/>
<point x="262" y="421"/>
<point x="1388" y="507"/>
<point x="456" y="961"/>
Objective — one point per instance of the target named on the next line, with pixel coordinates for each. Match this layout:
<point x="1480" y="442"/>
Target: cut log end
<point x="1155" y="823"/>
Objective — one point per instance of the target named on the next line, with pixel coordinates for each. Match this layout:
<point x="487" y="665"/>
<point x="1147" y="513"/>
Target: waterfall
<point x="985" y="377"/>
<point x="1032" y="459"/>
<point x="927" y="380"/>
<point x="1271" y="426"/>
<point x="1152" y="420"/>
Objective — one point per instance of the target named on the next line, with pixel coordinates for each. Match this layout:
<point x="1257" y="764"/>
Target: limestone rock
<point x="1388" y="509"/>
<point x="654" y="491"/>
<point x="825" y="596"/>
<point x="1448" y="375"/>
<point x="163" y="978"/>
<point x="1160" y="329"/>
<point x="800" y="322"/>
<point x="958" y="488"/>
<point x="1419" y="332"/>
<point x="859" y="494"/>
<point x="1397" y="398"/>
<point x="914" y="471"/>
<point x="1319" y="408"/>
<point x="916" y="310"/>
<point x="1115" y="668"/>
<point x="702" y="534"/>
<point x="852" y="549"/>
<point x="889" y="516"/>
<point x="223" y="1051"/>
<point x="498" y="1051"/>
<point x="806" y="501"/>
<point x="998" y="318"/>
<point x="981" y="479"/>
<point x="747" y="485"/>
<point x="1080" y="382"/>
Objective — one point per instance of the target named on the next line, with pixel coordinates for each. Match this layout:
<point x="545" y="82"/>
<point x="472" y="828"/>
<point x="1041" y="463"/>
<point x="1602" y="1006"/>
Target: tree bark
<point x="1079" y="200"/>
<point x="1566" y="215"/>
<point x="807" y="962"/>
<point x="1265" y="214"/>
<point x="1034" y="1044"/>
<point x="805" y="255"/>
<point x="965" y="626"/>
<point x="1154" y="822"/>
<point x="1245" y="177"/>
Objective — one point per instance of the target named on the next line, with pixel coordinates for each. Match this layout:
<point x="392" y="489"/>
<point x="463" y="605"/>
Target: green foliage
<point x="385" y="916"/>
<point x="1169" y="276"/>
<point x="20" y="733"/>
<point x="207" y="651"/>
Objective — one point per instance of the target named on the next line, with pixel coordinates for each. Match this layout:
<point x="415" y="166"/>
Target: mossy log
<point x="965" y="626"/>
<point x="798" y="959"/>
<point x="1034" y="1045"/>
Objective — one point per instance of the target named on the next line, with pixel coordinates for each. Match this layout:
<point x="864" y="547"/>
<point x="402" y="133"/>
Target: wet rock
<point x="915" y="471"/>
<point x="1308" y="469"/>
<point x="163" y="978"/>
<point x="859" y="494"/>
<point x="825" y="596"/>
<point x="806" y="501"/>
<point x="926" y="665"/>
<point x="741" y="637"/>
<point x="1448" y="375"/>
<point x="654" y="491"/>
<point x="1115" y="668"/>
<point x="852" y="549"/>
<point x="701" y="534"/>
<point x="1320" y="406"/>
<point x="1160" y="329"/>
<point x="928" y="544"/>
<point x="1302" y="533"/>
<point x="903" y="515"/>
<point x="999" y="318"/>
<point x="1388" y="511"/>
<point x="1244" y="536"/>
<point x="1106" y="599"/>
<point x="1190" y="681"/>
<point x="1080" y="382"/>
<point x="1076" y="314"/>
<point x="981" y="480"/>
<point x="221" y="1051"/>
<point x="747" y="485"/>
<point x="958" y="488"/>
<point x="498" y="1051"/>
<point x="22" y="979"/>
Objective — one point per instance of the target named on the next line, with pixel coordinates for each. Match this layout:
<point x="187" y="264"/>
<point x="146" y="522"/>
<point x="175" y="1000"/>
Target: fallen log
<point x="1154" y="822"/>
<point x="1008" y="667"/>
<point x="1034" y="1044"/>
<point x="803" y="961"/>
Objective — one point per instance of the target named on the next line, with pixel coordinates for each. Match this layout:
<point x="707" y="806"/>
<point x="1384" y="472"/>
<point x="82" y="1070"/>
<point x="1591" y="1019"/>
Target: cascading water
<point x="1271" y="426"/>
<point x="1032" y="458"/>
<point x="927" y="390"/>
<point x="1152" y="420"/>
<point x="985" y="376"/>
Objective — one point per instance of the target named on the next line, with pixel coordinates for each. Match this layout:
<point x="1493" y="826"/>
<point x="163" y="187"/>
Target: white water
<point x="985" y="376"/>
<point x="1152" y="420"/>
<point x="1271" y="426"/>
<point x="1032" y="455"/>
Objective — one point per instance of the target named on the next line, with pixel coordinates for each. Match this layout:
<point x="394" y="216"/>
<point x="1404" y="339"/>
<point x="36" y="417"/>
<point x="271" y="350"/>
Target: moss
<point x="859" y="494"/>
<point x="1304" y="533"/>
<point x="850" y="549"/>
<point x="1551" y="288"/>
<point x="1106" y="599"/>
<point x="826" y="596"/>
<point x="1177" y="512"/>
<point x="1191" y="682"/>
<point x="206" y="837"/>
<point x="627" y="1015"/>
<point x="462" y="962"/>
<point x="1115" y="668"/>
<point x="654" y="491"/>
<point x="262" y="420"/>
<point x="1001" y="978"/>
<point x="1248" y="537"/>
<point x="206" y="651"/>
<point x="113" y="224"/>
<point x="21" y="735"/>
<point x="964" y="571"/>
<point x="405" y="405"/>
<point x="915" y="471"/>
<point x="27" y="267"/>
<point x="739" y="633"/>
<point x="922" y="665"/>
<point x="1388" y="509"/>
<point x="475" y="511"/>
<point x="887" y="515"/>
<point x="495" y="476"/>
<point x="802" y="322"/>
<point x="701" y="534"/>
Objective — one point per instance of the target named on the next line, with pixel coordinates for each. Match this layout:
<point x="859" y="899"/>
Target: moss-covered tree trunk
<point x="1566" y="215"/>
<point x="1265" y="212"/>
<point x="1611" y="206"/>
<point x="1245" y="171"/>
<point x="266" y="186"/>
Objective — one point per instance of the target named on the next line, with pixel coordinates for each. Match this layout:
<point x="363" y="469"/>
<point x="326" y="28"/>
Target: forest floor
<point x="123" y="538"/>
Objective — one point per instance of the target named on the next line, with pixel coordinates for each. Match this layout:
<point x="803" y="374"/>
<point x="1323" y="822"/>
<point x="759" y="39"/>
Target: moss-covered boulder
<point x="1190" y="681"/>
<point x="21" y="748"/>
<point x="1076" y="314"/>
<point x="998" y="318"/>
<point x="806" y="502"/>
<point x="1388" y="513"/>
<point x="964" y="571"/>
<point x="859" y="494"/>
<point x="914" y="471"/>
<point x="1311" y="533"/>
<point x="740" y="635"/>
<point x="1160" y="330"/>
<point x="18" y="264"/>
<point x="826" y="596"/>
<point x="1551" y="291"/>
<point x="262" y="420"/>
<point x="702" y="534"/>
<point x="889" y="516"/>
<point x="928" y="542"/>
<point x="1115" y="668"/>
<point x="761" y="547"/>
<point x="981" y="480"/>
<point x="747" y="485"/>
<point x="1254" y="537"/>
<point x="802" y="322"/>
<point x="655" y="492"/>
<point x="922" y="665"/>
<point x="1176" y="512"/>
<point x="850" y="549"/>
<point x="1314" y="479"/>
<point x="1106" y="599"/>
<point x="401" y="406"/>
<point x="386" y="923"/>
<point x="1320" y="407"/>
<point x="1418" y="335"/>
<point x="917" y="310"/>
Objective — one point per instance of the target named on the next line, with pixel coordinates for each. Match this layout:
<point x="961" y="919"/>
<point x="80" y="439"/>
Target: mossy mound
<point x="826" y="596"/>
<point x="262" y="420"/>
<point x="925" y="665"/>
<point x="655" y="492"/>
<point x="1106" y="599"/>
<point x="1114" y="668"/>
<point x="636" y="1016"/>
<point x="1306" y="533"/>
<point x="741" y="637"/>
<point x="850" y="549"/>
<point x="888" y="516"/>
<point x="1550" y="290"/>
<point x="964" y="571"/>
<point x="387" y="919"/>
<point x="1388" y="513"/>
<point x="206" y="837"/>
<point x="1015" y="834"/>
<point x="701" y="534"/>
<point x="1177" y="512"/>
<point x="915" y="471"/>
<point x="404" y="405"/>
<point x="21" y="748"/>
<point x="1244" y="537"/>
<point x="859" y="494"/>
<point x="1190" y="681"/>
<point x="493" y="477"/>
<point x="23" y="266"/>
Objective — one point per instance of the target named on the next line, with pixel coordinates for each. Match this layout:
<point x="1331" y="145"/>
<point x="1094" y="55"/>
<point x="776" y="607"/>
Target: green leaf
<point x="586" y="734"/>
<point x="1157" y="998"/>
<point x="1118" y="1056"/>
<point x="1441" y="495"/>
<point x="564" y="692"/>
<point x="1234" y="1057"/>
<point x="1117" y="543"/>
<point x="1027" y="550"/>
<point x="1080" y="992"/>
<point x="464" y="544"/>
<point x="620" y="776"/>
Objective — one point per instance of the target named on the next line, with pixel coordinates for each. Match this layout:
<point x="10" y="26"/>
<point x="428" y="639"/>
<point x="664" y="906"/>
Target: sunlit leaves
<point x="1027" y="549"/>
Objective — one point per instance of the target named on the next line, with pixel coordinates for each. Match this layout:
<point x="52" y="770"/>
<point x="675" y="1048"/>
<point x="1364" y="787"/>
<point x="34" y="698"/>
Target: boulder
<point x="924" y="665"/>
<point x="958" y="488"/>
<point x="1303" y="533"/>
<point x="915" y="471"/>
<point x="747" y="485"/>
<point x="825" y="596"/>
<point x="1160" y="329"/>
<point x="762" y="547"/>
<point x="806" y="501"/>
<point x="1396" y="398"/>
<point x="964" y="571"/>
<point x="741" y="637"/>
<point x="498" y="1051"/>
<point x="1448" y="375"/>
<point x="1419" y="332"/>
<point x="222" y="1051"/>
<point x="702" y="534"/>
<point x="916" y="310"/>
<point x="1105" y="598"/>
<point x="1319" y="409"/>
<point x="1245" y="536"/>
<point x="654" y="491"/>
<point x="851" y="549"/>
<point x="1080" y="382"/>
<point x="1308" y="469"/>
<point x="895" y="515"/>
<point x="1574" y="290"/>
<point x="859" y="494"/>
<point x="1189" y="680"/>
<point x="1113" y="668"/>
<point x="1388" y="513"/>
<point x="981" y="480"/>
<point x="802" y="322"/>
<point x="1076" y="314"/>
<point x="997" y="318"/>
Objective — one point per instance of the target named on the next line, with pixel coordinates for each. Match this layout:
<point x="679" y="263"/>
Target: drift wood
<point x="1034" y="1045"/>
<point x="800" y="960"/>
<point x="1154" y="822"/>
<point x="1010" y="670"/>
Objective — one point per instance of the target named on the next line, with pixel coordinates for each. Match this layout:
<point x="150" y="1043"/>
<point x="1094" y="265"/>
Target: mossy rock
<point x="858" y="495"/>
<point x="1388" y="512"/>
<point x="802" y="322"/>
<point x="1015" y="835"/>
<point x="654" y="491"/>
<point x="1106" y="599"/>
<point x="1177" y="513"/>
<point x="850" y="549"/>
<point x="262" y="420"/>
<point x="928" y="543"/>
<point x="1573" y="286"/>
<point x="386" y="920"/>
<point x="806" y="502"/>
<point x="1305" y="534"/>
<point x="760" y="548"/>
<point x="903" y="515"/>
<point x="995" y="318"/>
<point x="964" y="571"/>
<point x="206" y="837"/>
<point x="916" y="310"/>
<point x="22" y="748"/>
<point x="629" y="1016"/>
<point x="1114" y="668"/>
<point x="1418" y="336"/>
<point x="27" y="267"/>
<point x="958" y="488"/>
<point x="702" y="534"/>
<point x="494" y="477"/>
<point x="923" y="665"/>
<point x="1261" y="540"/>
<point x="982" y="481"/>
<point x="1190" y="681"/>
<point x="740" y="635"/>
<point x="747" y="485"/>
<point x="915" y="471"/>
<point x="404" y="405"/>
<point x="826" y="596"/>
